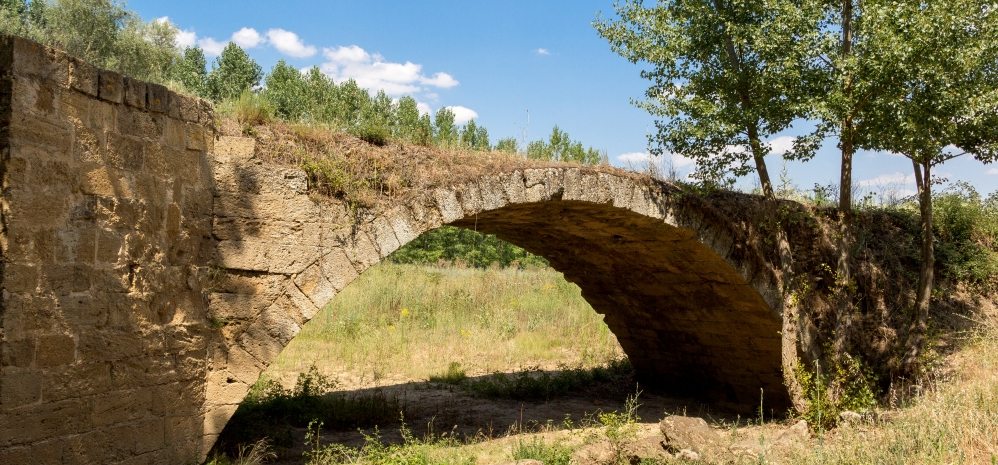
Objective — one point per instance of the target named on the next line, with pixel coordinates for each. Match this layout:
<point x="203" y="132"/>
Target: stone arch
<point x="693" y="305"/>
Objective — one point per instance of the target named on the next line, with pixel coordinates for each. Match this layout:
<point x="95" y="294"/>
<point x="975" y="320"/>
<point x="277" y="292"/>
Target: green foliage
<point x="849" y="386"/>
<point x="234" y="72"/>
<point x="249" y="109"/>
<point x="931" y="67"/>
<point x="287" y="90"/>
<point x="454" y="375"/>
<point x="374" y="133"/>
<point x="724" y="76"/>
<point x="446" y="131"/>
<point x="966" y="227"/>
<point x="536" y="448"/>
<point x="561" y="147"/>
<point x="271" y="410"/>
<point x="475" y="137"/>
<point x="507" y="145"/>
<point x="619" y="428"/>
<point x="102" y="32"/>
<point x="192" y="73"/>
<point x="449" y="244"/>
<point x="412" y="450"/>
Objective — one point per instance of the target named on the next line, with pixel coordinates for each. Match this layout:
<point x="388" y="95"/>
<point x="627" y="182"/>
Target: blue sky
<point x="496" y="61"/>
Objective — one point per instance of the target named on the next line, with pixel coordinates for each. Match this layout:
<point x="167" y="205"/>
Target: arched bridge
<point x="151" y="270"/>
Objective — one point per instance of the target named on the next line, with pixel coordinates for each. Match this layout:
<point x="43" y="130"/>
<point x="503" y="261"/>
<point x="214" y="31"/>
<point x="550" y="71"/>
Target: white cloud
<point x="184" y="38"/>
<point x="639" y="160"/>
<point x="348" y="54"/>
<point x="993" y="171"/>
<point x="289" y="43"/>
<point x="634" y="157"/>
<point x="891" y="179"/>
<point x="462" y="114"/>
<point x="247" y="37"/>
<point x="542" y="52"/>
<point x="374" y="73"/>
<point x="211" y="46"/>
<point x="423" y="108"/>
<point x="781" y="145"/>
<point x="441" y="80"/>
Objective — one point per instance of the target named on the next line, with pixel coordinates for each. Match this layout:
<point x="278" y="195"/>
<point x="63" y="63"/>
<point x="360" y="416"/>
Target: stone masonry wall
<point x="106" y="222"/>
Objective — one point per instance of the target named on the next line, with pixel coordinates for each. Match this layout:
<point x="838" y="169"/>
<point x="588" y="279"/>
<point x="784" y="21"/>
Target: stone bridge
<point x="151" y="270"/>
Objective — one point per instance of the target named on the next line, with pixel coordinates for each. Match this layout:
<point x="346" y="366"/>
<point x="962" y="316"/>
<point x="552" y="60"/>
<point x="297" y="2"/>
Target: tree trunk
<point x="926" y="275"/>
<point x="847" y="145"/>
<point x="760" y="162"/>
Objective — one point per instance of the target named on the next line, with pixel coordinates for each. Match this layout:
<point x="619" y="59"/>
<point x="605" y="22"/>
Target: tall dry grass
<point x="407" y="322"/>
<point x="955" y="421"/>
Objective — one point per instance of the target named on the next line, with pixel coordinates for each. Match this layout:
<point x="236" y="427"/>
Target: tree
<point x="933" y="65"/>
<point x="446" y="131"/>
<point x="482" y="139"/>
<point x="286" y="89"/>
<point x="191" y="71"/>
<point x="234" y="72"/>
<point x="725" y="76"/>
<point x="408" y="117"/>
<point x="351" y="103"/>
<point x="507" y="144"/>
<point x="321" y="95"/>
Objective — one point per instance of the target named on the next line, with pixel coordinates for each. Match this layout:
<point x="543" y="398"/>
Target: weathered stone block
<point x="17" y="389"/>
<point x="17" y="353"/>
<point x="449" y="205"/>
<point x="313" y="284"/>
<point x="33" y="59"/>
<point x="158" y="98"/>
<point x="111" y="86"/>
<point x="124" y="152"/>
<point x="55" y="350"/>
<point x="337" y="269"/>
<point x="83" y="77"/>
<point x="188" y="108"/>
<point x="134" y="93"/>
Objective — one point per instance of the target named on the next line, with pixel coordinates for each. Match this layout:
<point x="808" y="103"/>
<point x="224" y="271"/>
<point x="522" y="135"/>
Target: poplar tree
<point x="933" y="65"/>
<point x="725" y="75"/>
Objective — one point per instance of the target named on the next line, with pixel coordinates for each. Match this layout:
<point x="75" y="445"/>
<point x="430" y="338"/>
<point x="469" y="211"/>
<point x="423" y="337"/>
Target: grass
<point x="954" y="421"/>
<point x="405" y="322"/>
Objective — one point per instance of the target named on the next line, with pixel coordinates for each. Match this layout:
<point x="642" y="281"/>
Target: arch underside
<point x="687" y="320"/>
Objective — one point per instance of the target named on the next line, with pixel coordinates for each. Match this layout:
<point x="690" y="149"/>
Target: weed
<point x="373" y="133"/>
<point x="554" y="453"/>
<point x="271" y="410"/>
<point x="454" y="375"/>
<point x="250" y="109"/>
<point x="433" y="450"/>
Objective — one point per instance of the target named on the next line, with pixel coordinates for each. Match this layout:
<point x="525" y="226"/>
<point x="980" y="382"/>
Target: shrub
<point x="536" y="449"/>
<point x="966" y="227"/>
<point x="249" y="109"/>
<point x="374" y="134"/>
<point x="454" y="375"/>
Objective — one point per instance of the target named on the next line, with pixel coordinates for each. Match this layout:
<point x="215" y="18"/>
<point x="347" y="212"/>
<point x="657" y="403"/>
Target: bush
<point x="537" y="449"/>
<point x="454" y="375"/>
<point x="374" y="134"/>
<point x="966" y="228"/>
<point x="250" y="109"/>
